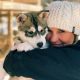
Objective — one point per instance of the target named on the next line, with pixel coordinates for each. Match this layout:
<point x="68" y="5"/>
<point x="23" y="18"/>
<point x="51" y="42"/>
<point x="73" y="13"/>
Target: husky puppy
<point x="32" y="30"/>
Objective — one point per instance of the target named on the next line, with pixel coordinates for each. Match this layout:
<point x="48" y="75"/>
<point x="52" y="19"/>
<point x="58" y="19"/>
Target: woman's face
<point x="59" y="37"/>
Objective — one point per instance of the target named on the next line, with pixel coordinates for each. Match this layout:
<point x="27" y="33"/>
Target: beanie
<point x="64" y="15"/>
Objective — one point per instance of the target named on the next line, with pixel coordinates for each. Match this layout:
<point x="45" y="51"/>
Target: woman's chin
<point x="59" y="45"/>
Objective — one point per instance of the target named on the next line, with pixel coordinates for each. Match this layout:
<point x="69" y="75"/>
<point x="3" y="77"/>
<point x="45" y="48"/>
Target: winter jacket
<point x="45" y="64"/>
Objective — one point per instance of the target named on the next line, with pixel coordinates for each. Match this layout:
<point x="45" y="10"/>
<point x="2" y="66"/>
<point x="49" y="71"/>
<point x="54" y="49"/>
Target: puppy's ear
<point x="15" y="32"/>
<point x="21" y="18"/>
<point x="43" y="14"/>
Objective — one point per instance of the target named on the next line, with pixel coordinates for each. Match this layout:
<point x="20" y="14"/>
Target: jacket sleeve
<point x="22" y="63"/>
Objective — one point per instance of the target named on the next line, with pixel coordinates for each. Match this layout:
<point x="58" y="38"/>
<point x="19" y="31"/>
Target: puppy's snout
<point x="40" y="44"/>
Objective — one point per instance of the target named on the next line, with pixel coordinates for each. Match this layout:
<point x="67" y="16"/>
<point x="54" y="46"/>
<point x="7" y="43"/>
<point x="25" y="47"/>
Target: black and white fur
<point x="32" y="31"/>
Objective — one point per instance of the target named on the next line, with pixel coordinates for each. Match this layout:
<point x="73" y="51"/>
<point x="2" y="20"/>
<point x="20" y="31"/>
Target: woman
<point x="64" y="23"/>
<point x="61" y="61"/>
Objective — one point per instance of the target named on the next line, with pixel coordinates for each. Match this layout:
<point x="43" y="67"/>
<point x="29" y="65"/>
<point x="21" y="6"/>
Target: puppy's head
<point x="33" y="28"/>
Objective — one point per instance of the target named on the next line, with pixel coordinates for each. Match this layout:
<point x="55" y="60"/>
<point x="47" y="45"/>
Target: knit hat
<point x="64" y="15"/>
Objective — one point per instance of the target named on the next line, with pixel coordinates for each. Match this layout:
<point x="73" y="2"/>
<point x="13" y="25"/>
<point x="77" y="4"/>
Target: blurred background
<point x="9" y="9"/>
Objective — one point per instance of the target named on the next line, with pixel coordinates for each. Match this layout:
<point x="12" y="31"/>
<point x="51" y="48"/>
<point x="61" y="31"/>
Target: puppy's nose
<point x="40" y="44"/>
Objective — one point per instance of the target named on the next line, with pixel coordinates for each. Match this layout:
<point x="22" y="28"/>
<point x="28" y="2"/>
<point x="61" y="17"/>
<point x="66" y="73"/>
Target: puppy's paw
<point x="22" y="47"/>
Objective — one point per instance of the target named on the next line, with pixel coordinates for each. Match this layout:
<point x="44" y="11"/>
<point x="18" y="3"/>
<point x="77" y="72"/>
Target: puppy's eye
<point x="29" y="33"/>
<point x="42" y="32"/>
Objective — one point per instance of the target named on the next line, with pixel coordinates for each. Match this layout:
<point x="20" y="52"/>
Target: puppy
<point x="32" y="30"/>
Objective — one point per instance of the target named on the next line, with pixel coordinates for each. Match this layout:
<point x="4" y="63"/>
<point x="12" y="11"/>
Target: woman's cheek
<point x="48" y="36"/>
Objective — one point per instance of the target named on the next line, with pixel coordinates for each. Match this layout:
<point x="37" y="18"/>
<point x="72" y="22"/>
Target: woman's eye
<point x="61" y="31"/>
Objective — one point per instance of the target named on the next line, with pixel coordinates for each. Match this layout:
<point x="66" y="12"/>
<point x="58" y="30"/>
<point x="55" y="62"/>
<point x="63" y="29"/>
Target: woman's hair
<point x="64" y="15"/>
